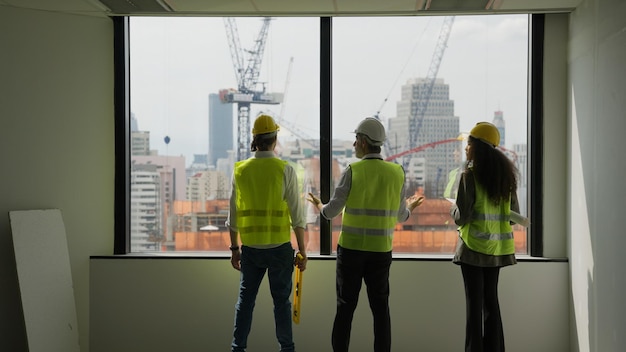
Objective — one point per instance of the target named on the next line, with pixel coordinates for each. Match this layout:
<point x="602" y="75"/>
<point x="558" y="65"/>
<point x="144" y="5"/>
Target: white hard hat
<point x="373" y="129"/>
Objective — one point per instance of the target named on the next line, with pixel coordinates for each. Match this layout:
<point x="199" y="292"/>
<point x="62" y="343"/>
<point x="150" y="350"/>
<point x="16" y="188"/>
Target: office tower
<point x="220" y="128"/>
<point x="436" y="125"/>
<point x="498" y="121"/>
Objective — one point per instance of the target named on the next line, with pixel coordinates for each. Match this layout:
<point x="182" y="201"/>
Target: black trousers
<point x="483" y="329"/>
<point x="353" y="267"/>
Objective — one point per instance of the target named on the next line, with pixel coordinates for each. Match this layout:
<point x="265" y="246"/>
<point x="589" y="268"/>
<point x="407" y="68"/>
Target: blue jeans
<point x="278" y="262"/>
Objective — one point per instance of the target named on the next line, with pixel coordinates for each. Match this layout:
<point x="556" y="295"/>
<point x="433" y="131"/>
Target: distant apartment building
<point x="146" y="209"/>
<point x="140" y="143"/>
<point x="172" y="172"/>
<point x="208" y="185"/>
<point x="227" y="164"/>
<point x="172" y="186"/>
<point x="220" y="129"/>
<point x="437" y="124"/>
<point x="139" y="140"/>
<point x="297" y="150"/>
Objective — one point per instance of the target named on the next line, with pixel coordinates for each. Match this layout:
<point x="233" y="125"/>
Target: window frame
<point x="122" y="98"/>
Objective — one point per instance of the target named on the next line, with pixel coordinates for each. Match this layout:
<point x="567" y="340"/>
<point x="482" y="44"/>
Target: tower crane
<point x="419" y="110"/>
<point x="247" y="76"/>
<point x="303" y="136"/>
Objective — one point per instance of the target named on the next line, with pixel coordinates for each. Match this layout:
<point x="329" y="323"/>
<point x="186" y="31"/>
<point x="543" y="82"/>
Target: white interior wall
<point x="168" y="304"/>
<point x="57" y="145"/>
<point x="596" y="126"/>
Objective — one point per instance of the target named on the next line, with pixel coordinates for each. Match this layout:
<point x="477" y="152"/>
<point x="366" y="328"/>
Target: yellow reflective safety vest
<point x="262" y="213"/>
<point x="371" y="210"/>
<point x="490" y="230"/>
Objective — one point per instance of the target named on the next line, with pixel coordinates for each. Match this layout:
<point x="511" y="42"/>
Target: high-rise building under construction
<point x="435" y="124"/>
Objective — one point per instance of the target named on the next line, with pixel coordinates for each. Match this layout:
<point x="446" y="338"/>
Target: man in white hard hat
<point x="371" y="195"/>
<point x="265" y="206"/>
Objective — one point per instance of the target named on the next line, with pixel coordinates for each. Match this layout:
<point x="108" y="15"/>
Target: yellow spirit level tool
<point x="297" y="293"/>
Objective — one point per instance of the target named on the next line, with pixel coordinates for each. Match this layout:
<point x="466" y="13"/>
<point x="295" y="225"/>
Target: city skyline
<point x="171" y="84"/>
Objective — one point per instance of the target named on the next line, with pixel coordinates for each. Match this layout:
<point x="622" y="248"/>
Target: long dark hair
<point x="262" y="142"/>
<point x="493" y="170"/>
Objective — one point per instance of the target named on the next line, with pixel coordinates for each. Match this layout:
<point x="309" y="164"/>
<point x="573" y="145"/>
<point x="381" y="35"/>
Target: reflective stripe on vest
<point x="489" y="231"/>
<point x="371" y="210"/>
<point x="262" y="213"/>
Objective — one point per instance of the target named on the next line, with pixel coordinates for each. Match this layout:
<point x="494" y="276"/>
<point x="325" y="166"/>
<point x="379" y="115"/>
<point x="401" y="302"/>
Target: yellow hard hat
<point x="264" y="124"/>
<point x="486" y="132"/>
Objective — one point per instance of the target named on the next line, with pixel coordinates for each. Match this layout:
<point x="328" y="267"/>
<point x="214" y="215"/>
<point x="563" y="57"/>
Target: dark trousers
<point x="483" y="329"/>
<point x="353" y="267"/>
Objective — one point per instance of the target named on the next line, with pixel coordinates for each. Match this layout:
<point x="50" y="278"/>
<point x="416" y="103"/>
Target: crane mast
<point x="235" y="48"/>
<point x="304" y="137"/>
<point x="417" y="114"/>
<point x="247" y="82"/>
<point x="251" y="74"/>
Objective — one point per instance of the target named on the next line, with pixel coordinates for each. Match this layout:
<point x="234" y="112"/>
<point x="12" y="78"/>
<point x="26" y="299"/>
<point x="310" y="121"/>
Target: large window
<point x="430" y="79"/>
<point x="196" y="85"/>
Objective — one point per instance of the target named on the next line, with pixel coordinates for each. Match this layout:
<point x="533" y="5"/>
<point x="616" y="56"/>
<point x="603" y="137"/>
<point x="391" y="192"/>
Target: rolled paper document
<point x="519" y="219"/>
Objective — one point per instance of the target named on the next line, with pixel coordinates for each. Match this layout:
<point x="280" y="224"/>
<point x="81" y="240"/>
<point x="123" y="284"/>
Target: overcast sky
<point x="177" y="62"/>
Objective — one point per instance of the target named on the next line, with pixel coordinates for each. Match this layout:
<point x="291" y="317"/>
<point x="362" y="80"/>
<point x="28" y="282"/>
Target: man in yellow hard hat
<point x="265" y="205"/>
<point x="370" y="194"/>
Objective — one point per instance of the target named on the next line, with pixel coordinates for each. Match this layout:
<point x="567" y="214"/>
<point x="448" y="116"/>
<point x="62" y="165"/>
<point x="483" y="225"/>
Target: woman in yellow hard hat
<point x="485" y="198"/>
<point x="265" y="206"/>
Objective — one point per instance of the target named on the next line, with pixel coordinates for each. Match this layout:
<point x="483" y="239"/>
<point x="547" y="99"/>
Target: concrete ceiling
<point x="292" y="7"/>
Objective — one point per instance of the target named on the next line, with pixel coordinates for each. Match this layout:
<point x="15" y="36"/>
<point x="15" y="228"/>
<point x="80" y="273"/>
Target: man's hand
<point x="315" y="201"/>
<point x="414" y="201"/>
<point x="300" y="261"/>
<point x="235" y="259"/>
